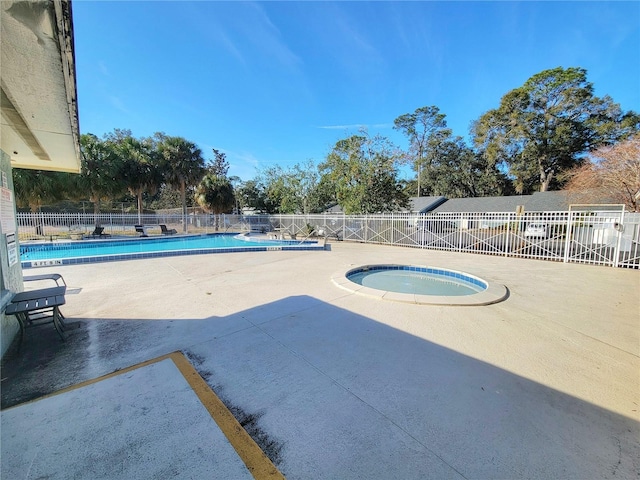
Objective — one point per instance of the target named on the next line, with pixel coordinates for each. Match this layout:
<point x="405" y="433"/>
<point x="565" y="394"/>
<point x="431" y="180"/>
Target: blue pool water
<point x="416" y="280"/>
<point x="61" y="253"/>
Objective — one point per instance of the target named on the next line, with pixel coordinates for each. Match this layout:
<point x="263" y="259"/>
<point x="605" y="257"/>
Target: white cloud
<point x="230" y="46"/>
<point x="119" y="104"/>
<point x="356" y="126"/>
<point x="245" y="31"/>
<point x="268" y="37"/>
<point x="103" y="68"/>
<point x="343" y="127"/>
<point x="241" y="164"/>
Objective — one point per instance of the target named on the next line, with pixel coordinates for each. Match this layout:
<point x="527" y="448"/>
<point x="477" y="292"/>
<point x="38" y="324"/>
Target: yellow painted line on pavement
<point x="96" y="380"/>
<point x="251" y="454"/>
<point x="256" y="461"/>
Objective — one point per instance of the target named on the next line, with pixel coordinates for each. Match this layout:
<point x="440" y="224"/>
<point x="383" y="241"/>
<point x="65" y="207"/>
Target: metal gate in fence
<point x="593" y="235"/>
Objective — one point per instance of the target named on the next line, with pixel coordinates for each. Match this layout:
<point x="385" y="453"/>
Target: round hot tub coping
<point x="494" y="292"/>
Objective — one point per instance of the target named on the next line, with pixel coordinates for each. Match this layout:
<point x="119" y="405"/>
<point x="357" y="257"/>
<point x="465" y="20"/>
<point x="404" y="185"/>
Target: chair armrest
<point x="47" y="276"/>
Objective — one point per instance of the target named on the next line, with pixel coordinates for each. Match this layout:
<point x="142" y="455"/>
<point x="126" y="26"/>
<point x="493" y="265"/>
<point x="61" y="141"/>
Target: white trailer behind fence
<point x="596" y="235"/>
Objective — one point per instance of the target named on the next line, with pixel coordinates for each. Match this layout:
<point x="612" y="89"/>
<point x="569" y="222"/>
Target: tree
<point x="294" y="190"/>
<point x="35" y="188"/>
<point x="454" y="170"/>
<point x="252" y="194"/>
<point x="364" y="175"/>
<point x="139" y="168"/>
<point x="613" y="171"/>
<point x="214" y="193"/>
<point x="166" y="198"/>
<point x="219" y="165"/>
<point x="182" y="163"/>
<point x="118" y="135"/>
<point x="100" y="177"/>
<point x="420" y="127"/>
<point x="545" y="127"/>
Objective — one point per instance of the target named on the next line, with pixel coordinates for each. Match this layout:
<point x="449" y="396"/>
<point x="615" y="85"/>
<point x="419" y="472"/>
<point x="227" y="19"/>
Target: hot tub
<point x="420" y="284"/>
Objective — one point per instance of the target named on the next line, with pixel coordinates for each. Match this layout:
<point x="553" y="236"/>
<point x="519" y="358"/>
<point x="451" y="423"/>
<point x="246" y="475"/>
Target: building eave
<point x="40" y="126"/>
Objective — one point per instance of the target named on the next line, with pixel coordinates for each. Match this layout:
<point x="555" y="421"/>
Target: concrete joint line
<point x="360" y="399"/>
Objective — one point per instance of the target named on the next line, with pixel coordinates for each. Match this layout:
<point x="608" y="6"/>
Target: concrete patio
<point x="330" y="384"/>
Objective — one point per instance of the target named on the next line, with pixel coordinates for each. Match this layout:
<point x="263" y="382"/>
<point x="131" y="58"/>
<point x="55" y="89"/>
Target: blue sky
<point x="280" y="82"/>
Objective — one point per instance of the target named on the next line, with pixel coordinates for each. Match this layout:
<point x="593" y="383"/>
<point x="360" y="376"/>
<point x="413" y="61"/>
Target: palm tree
<point x="35" y="188"/>
<point x="139" y="169"/>
<point x="182" y="164"/>
<point x="100" y="177"/>
<point x="215" y="195"/>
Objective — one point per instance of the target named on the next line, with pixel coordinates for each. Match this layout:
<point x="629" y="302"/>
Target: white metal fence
<point x="591" y="236"/>
<point x="50" y="226"/>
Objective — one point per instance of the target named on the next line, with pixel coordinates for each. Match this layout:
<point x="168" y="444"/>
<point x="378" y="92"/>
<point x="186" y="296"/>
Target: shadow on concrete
<point x="338" y="395"/>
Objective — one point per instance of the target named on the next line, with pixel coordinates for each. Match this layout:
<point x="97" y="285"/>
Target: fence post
<point x="344" y="225"/>
<point x="459" y="224"/>
<point x="619" y="231"/>
<point x="567" y="239"/>
<point x="366" y="229"/>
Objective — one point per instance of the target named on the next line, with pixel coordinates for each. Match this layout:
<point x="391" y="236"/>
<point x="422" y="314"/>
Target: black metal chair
<point x="166" y="231"/>
<point x="99" y="232"/>
<point x="141" y="230"/>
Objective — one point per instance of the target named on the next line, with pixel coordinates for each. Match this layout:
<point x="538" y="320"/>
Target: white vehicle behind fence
<point x="538" y="230"/>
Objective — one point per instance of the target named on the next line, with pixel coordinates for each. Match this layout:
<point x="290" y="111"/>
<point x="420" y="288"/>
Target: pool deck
<point x="330" y="384"/>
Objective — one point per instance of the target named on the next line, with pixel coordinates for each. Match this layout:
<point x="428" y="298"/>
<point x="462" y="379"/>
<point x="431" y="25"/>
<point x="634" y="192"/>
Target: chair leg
<point x="23" y="326"/>
<point x="66" y="325"/>
<point x="58" y="324"/>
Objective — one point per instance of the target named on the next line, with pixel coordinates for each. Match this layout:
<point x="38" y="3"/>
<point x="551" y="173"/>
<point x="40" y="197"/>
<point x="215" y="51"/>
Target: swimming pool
<point x="418" y="284"/>
<point x="418" y="280"/>
<point x="90" y="251"/>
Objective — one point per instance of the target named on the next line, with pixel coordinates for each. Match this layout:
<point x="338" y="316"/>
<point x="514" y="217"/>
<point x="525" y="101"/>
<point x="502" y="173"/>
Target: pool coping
<point x="494" y="292"/>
